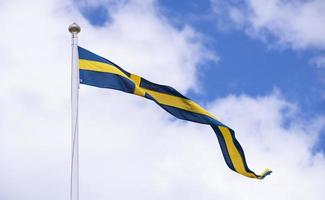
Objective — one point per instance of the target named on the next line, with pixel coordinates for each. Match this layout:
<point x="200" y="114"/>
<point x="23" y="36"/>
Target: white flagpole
<point x="74" y="29"/>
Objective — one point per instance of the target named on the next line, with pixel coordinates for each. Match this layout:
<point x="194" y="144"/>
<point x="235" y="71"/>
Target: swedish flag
<point x="100" y="72"/>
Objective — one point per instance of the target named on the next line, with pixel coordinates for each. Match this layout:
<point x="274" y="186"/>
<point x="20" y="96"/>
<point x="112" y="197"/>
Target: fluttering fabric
<point x="99" y="72"/>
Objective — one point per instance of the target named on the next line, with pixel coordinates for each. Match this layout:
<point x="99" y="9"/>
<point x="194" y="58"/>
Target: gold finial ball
<point x="74" y="28"/>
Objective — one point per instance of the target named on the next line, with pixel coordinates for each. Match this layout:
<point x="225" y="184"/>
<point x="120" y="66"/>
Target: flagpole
<point x="74" y="29"/>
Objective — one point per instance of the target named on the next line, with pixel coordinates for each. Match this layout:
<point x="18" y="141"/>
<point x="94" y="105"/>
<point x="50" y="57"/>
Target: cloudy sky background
<point x="259" y="67"/>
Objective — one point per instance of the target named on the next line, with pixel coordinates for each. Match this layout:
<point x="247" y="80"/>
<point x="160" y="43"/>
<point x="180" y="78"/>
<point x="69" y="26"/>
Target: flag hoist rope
<point x="74" y="29"/>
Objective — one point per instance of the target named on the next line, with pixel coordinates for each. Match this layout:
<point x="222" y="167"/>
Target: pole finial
<point x="74" y="28"/>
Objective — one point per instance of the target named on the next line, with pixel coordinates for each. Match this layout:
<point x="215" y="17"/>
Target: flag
<point x="97" y="71"/>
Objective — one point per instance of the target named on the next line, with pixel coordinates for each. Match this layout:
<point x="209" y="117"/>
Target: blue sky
<point x="246" y="65"/>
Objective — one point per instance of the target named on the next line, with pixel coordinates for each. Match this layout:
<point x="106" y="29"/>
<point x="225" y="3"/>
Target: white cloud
<point x="129" y="147"/>
<point x="182" y="160"/>
<point x="294" y="24"/>
<point x="34" y="89"/>
<point x="267" y="140"/>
